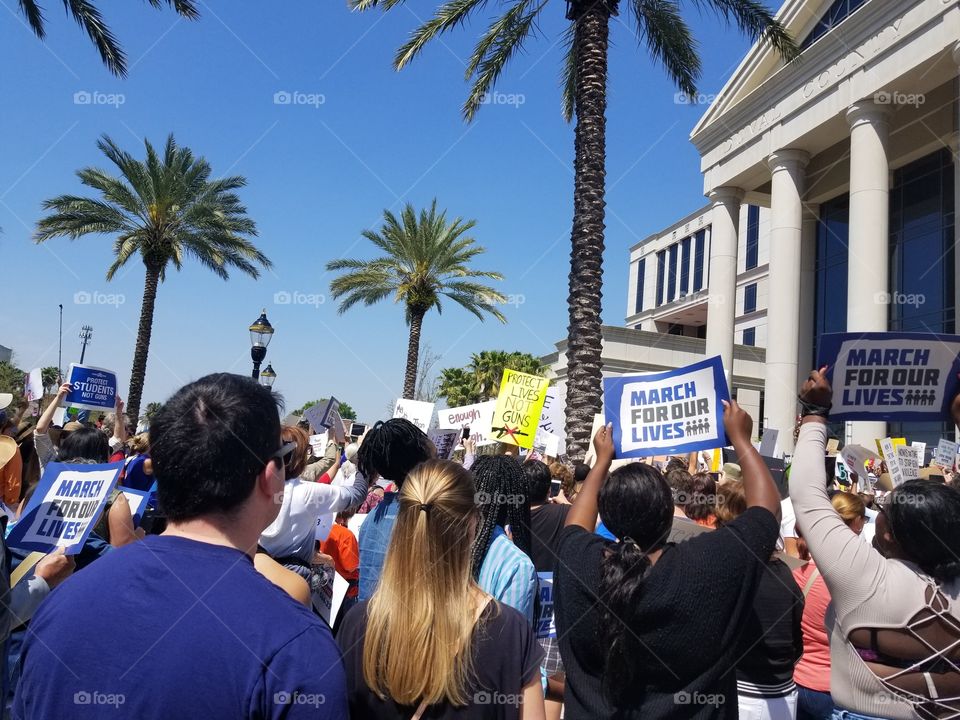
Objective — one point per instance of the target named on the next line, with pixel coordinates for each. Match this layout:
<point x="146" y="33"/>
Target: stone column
<point x="722" y="300"/>
<point x="868" y="275"/>
<point x="783" y="303"/>
<point x="808" y="289"/>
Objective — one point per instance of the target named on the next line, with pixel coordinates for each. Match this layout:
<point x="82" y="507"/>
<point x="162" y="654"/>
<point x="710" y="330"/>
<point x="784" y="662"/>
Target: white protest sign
<point x="552" y="420"/>
<point x="416" y="411"/>
<point x="946" y="453"/>
<point x="33" y="385"/>
<point x="768" y="444"/>
<point x="64" y="507"/>
<point x="921" y="449"/>
<point x="336" y="425"/>
<point x="478" y="418"/>
<point x="855" y="457"/>
<point x="892" y="461"/>
<point x="318" y="444"/>
<point x="909" y="467"/>
<point x="445" y="441"/>
<point x="551" y="444"/>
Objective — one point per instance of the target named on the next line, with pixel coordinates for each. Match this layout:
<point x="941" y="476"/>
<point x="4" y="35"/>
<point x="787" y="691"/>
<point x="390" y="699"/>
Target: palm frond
<point x="448" y="16"/>
<point x="668" y="38"/>
<point x="756" y="20"/>
<point x="569" y="75"/>
<point x="89" y="18"/>
<point x="34" y="15"/>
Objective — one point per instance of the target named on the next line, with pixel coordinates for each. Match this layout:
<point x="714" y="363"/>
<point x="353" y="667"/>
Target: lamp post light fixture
<point x="268" y="376"/>
<point x="261" y="333"/>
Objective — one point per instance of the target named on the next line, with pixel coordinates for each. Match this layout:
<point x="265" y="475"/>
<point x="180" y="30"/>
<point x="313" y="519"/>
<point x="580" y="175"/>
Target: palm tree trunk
<point x="413" y="355"/>
<point x="139" y="371"/>
<point x="584" y="336"/>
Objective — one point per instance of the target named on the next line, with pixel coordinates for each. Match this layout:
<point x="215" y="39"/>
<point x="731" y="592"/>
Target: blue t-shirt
<point x="175" y="628"/>
<point x="373" y="542"/>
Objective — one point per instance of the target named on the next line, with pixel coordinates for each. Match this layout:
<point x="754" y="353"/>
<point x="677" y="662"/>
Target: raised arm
<point x="43" y="424"/>
<point x="583" y="512"/>
<point x="758" y="485"/>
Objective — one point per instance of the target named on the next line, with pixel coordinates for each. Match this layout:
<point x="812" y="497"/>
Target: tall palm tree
<point x="88" y="17"/>
<point x="163" y="209"/>
<point x="661" y="27"/>
<point x="426" y="258"/>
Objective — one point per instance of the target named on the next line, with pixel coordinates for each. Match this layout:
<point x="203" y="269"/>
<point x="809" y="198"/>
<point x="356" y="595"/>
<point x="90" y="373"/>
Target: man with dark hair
<point x="681" y="485"/>
<point x="389" y="451"/>
<point x="181" y="624"/>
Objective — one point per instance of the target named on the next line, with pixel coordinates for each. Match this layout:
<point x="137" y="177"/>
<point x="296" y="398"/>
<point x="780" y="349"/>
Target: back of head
<point x="538" y="481"/>
<point x="295" y="462"/>
<point x="701" y="500"/>
<point x="637" y="507"/>
<point x="731" y="501"/>
<point x="86" y="444"/>
<point x="849" y="506"/>
<point x="504" y="499"/>
<point x="580" y="472"/>
<point x="679" y="481"/>
<point x="924" y="518"/>
<point x="411" y="625"/>
<point x="392" y="449"/>
<point x="209" y="443"/>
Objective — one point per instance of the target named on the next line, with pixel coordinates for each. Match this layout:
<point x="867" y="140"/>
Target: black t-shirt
<point x="691" y="610"/>
<point x="506" y="657"/>
<point x="546" y="524"/>
<point x="772" y="641"/>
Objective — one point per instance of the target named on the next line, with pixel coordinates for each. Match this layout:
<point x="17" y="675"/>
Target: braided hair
<point x="392" y="449"/>
<point x="503" y="499"/>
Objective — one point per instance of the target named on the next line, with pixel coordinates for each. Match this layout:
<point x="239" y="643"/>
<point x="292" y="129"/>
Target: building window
<point x="641" y="271"/>
<point x="830" y="270"/>
<point x="672" y="274"/>
<point x="685" y="266"/>
<point x="661" y="269"/>
<point x="750" y="298"/>
<point x="675" y="329"/>
<point x="839" y="11"/>
<point x="753" y="236"/>
<point x="749" y="336"/>
<point x="698" y="255"/>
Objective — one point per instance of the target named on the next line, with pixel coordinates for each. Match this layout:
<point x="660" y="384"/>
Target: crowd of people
<point x="489" y="586"/>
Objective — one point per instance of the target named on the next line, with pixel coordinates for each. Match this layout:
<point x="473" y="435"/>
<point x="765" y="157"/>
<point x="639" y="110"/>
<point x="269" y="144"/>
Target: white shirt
<point x="293" y="532"/>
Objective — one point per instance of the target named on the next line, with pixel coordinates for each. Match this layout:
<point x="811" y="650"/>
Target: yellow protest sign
<point x="519" y="406"/>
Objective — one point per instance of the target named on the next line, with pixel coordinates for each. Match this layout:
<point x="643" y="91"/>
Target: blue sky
<point x="360" y="138"/>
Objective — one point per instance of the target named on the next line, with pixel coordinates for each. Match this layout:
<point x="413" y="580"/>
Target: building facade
<point x="853" y="149"/>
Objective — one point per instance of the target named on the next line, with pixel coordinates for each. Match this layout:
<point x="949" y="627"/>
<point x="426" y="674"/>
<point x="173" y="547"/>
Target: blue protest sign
<point x="892" y="375"/>
<point x="138" y="501"/>
<point x="93" y="388"/>
<point x="64" y="507"/>
<point x="678" y="411"/>
<point x="546" y="623"/>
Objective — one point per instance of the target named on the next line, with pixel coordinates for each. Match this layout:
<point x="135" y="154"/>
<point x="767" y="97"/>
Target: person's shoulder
<point x="575" y="535"/>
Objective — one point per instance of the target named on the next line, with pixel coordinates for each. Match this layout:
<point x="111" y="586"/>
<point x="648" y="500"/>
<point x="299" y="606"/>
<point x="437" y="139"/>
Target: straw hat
<point x="5" y="400"/>
<point x="8" y="448"/>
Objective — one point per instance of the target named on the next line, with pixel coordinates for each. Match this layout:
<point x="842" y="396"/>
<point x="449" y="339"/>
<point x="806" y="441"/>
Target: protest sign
<point x="336" y="425"/>
<point x="552" y="420"/>
<point x="841" y="473"/>
<point x="909" y="466"/>
<point x="921" y="449"/>
<point x="892" y="460"/>
<point x="64" y="507"/>
<point x="768" y="444"/>
<point x="445" y="441"/>
<point x="92" y="388"/>
<point x="855" y="457"/>
<point x="552" y="444"/>
<point x="546" y="622"/>
<point x="891" y="376"/>
<point x="321" y="417"/>
<point x="678" y="411"/>
<point x="478" y="418"/>
<point x="946" y="453"/>
<point x="137" y="499"/>
<point x="33" y="385"/>
<point x="519" y="404"/>
<point x="418" y="412"/>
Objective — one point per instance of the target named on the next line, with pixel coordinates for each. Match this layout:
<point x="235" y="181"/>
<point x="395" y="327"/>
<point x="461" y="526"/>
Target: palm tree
<point x="480" y="380"/>
<point x="151" y="412"/>
<point x="50" y="377"/>
<point x="89" y="18"/>
<point x="425" y="259"/>
<point x="162" y="210"/>
<point x="660" y="25"/>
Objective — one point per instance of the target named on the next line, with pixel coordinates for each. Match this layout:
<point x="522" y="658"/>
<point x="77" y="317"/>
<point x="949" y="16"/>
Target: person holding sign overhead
<point x="895" y="626"/>
<point x="649" y="629"/>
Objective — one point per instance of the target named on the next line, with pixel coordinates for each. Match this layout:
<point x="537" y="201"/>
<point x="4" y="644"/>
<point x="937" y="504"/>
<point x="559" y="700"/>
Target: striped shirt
<point x="508" y="574"/>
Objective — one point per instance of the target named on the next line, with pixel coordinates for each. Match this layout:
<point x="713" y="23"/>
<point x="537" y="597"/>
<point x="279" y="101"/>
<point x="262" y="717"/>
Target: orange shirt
<point x="813" y="670"/>
<point x="10" y="477"/>
<point x="342" y="546"/>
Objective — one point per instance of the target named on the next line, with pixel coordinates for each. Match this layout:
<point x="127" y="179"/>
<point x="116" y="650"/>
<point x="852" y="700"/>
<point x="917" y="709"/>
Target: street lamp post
<point x="260" y="334"/>
<point x="268" y="376"/>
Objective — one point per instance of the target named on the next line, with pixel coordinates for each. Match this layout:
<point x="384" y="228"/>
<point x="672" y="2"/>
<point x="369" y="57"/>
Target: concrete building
<point x="853" y="150"/>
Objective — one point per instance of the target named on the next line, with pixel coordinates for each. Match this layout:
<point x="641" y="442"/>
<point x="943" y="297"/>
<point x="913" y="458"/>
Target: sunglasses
<point x="283" y="454"/>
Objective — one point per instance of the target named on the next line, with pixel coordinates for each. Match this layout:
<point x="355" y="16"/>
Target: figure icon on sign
<point x="908" y="398"/>
<point x="706" y="425"/>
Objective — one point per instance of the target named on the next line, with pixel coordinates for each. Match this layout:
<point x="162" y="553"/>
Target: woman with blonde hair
<point x="430" y="642"/>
